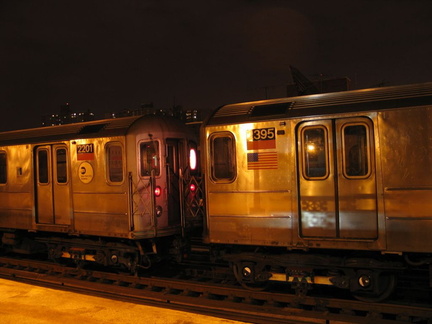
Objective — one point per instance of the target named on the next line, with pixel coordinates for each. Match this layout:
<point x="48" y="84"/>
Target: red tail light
<point x="192" y="187"/>
<point x="157" y="191"/>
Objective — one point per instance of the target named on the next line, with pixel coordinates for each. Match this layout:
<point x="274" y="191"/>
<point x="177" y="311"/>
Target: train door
<point x="173" y="160"/>
<point x="52" y="185"/>
<point x="337" y="184"/>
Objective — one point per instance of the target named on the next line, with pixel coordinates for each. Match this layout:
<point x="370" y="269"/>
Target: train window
<point x="172" y="156"/>
<point x="356" y="151"/>
<point x="61" y="165"/>
<point x="3" y="167"/>
<point x="315" y="153"/>
<point x="222" y="154"/>
<point x="149" y="158"/>
<point x="43" y="166"/>
<point x="115" y="162"/>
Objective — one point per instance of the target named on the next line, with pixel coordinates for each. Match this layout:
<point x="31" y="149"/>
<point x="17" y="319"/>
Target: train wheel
<point x="248" y="278"/>
<point x="375" y="288"/>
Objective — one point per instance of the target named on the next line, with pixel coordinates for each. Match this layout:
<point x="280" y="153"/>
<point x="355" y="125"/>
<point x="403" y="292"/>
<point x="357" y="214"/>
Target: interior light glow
<point x="311" y="147"/>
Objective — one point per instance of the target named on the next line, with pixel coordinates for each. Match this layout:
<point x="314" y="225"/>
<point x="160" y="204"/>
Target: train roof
<point x="326" y="103"/>
<point x="98" y="128"/>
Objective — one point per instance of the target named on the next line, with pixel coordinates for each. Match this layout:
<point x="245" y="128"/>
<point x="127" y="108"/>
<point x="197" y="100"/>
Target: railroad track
<point x="212" y="298"/>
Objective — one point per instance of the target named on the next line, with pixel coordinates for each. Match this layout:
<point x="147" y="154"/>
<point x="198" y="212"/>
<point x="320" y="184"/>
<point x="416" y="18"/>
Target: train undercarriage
<point x="368" y="276"/>
<point x="122" y="254"/>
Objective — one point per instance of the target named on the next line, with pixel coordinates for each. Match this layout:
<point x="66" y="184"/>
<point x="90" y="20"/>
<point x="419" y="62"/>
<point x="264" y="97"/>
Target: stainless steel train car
<point x="109" y="191"/>
<point x="331" y="189"/>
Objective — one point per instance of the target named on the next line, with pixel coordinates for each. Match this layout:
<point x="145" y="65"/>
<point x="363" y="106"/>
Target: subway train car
<point x="109" y="191"/>
<point x="332" y="189"/>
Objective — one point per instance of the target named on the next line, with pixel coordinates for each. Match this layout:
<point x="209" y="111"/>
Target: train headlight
<point x="192" y="187"/>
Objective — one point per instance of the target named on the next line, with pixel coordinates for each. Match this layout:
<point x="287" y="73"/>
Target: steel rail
<point x="216" y="299"/>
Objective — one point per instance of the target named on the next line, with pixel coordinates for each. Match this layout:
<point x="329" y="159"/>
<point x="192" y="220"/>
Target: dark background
<point x="109" y="55"/>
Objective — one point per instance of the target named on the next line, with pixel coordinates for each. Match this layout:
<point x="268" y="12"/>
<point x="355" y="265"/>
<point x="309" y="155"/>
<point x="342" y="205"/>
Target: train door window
<point x="43" y="165"/>
<point x="3" y="168"/>
<point x="149" y="154"/>
<point x="172" y="156"/>
<point x="61" y="165"/>
<point x="222" y="155"/>
<point x="356" y="151"/>
<point x="115" y="162"/>
<point x="315" y="152"/>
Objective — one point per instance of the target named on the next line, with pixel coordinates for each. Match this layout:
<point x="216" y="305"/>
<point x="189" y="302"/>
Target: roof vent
<point x="272" y="109"/>
<point x="89" y="129"/>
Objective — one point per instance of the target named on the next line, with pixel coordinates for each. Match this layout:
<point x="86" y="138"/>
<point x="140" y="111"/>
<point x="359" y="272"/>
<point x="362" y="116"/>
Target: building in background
<point x="67" y="116"/>
<point x="177" y="111"/>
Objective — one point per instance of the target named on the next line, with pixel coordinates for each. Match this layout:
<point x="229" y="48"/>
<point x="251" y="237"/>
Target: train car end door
<point x="173" y="161"/>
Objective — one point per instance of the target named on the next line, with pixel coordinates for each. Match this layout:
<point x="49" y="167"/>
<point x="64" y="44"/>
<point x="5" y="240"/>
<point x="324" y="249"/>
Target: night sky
<point x="110" y="55"/>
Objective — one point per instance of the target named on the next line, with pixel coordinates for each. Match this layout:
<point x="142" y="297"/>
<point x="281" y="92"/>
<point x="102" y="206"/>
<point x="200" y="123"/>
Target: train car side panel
<point x="406" y="144"/>
<point x="16" y="191"/>
<point x="100" y="204"/>
<point x="317" y="186"/>
<point x="249" y="184"/>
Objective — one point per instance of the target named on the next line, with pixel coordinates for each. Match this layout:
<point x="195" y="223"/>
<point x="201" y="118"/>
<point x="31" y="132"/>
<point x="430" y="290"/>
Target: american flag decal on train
<point x="262" y="160"/>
